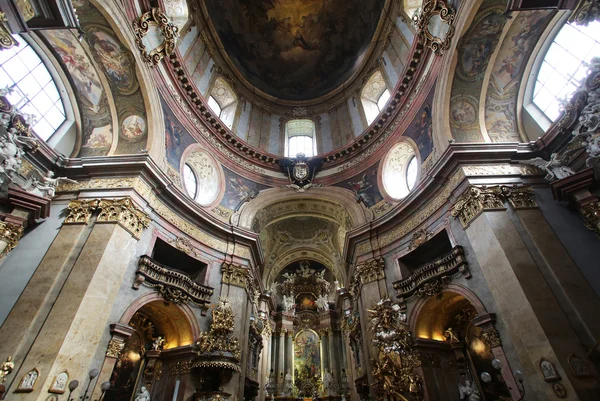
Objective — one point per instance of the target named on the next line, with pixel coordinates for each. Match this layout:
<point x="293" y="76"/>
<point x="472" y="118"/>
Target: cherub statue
<point x="468" y="391"/>
<point x="322" y="302"/>
<point x="158" y="344"/>
<point x="44" y="185"/>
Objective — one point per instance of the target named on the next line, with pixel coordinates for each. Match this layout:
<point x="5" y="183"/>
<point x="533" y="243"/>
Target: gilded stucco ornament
<point x="475" y="200"/>
<point x="237" y="275"/>
<point x="435" y="25"/>
<point x="389" y="336"/>
<point x="80" y="211"/>
<point x="124" y="212"/>
<point x="491" y="338"/>
<point x="115" y="347"/>
<point x="169" y="31"/>
<point x="219" y="348"/>
<point x="370" y="270"/>
<point x="419" y="238"/>
<point x="591" y="216"/>
<point x="10" y="234"/>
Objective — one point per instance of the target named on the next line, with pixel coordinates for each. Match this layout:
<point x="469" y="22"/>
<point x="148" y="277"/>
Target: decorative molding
<point x="184" y="245"/>
<point x="169" y="30"/>
<point x="180" y="367"/>
<point x="175" y="287"/>
<point x="115" y="346"/>
<point x="124" y="212"/>
<point x="435" y="9"/>
<point x="237" y="275"/>
<point x="80" y="211"/>
<point x="10" y="233"/>
<point x="591" y="216"/>
<point x="491" y="338"/>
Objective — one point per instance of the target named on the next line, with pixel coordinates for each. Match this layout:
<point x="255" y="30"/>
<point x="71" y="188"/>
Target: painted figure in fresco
<point x="360" y="189"/>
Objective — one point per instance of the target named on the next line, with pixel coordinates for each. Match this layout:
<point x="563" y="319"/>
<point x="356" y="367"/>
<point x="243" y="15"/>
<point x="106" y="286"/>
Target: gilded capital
<point x="591" y="216"/>
<point x="474" y="201"/>
<point x="371" y="270"/>
<point x="491" y="338"/>
<point x="124" y="212"/>
<point x="519" y="197"/>
<point x="115" y="346"/>
<point x="235" y="275"/>
<point x="80" y="211"/>
<point x="10" y="233"/>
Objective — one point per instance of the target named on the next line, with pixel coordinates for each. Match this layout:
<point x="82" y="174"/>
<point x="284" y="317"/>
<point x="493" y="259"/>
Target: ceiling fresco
<point x="295" y="49"/>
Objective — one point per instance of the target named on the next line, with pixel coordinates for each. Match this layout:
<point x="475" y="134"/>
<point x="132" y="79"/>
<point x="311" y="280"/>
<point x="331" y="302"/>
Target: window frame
<point x="288" y="137"/>
<point x="185" y="181"/>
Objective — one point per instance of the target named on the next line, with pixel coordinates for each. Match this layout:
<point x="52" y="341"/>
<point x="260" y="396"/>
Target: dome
<point x="295" y="49"/>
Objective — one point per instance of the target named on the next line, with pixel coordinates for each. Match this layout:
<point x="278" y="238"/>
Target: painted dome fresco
<point x="295" y="49"/>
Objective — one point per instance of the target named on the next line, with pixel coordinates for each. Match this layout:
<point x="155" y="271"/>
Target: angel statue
<point x="143" y="395"/>
<point x="555" y="168"/>
<point x="39" y="184"/>
<point x="6" y="368"/>
<point x="288" y="302"/>
<point x="468" y="391"/>
<point x="322" y="303"/>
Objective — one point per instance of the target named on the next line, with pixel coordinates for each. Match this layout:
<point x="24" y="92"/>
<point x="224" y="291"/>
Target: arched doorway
<point x="452" y="319"/>
<point x="159" y="327"/>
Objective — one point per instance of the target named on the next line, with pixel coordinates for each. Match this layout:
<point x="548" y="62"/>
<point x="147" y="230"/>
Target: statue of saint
<point x="6" y="368"/>
<point x="327" y="383"/>
<point x="468" y="391"/>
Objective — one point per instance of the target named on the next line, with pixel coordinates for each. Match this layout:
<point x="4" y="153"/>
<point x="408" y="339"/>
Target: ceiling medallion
<point x="435" y="25"/>
<point x="148" y="30"/>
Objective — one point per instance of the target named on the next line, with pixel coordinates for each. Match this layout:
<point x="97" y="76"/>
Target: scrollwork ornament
<point x="173" y="295"/>
<point x="432" y="288"/>
<point x="491" y="338"/>
<point x="586" y="12"/>
<point x="435" y="9"/>
<point x="169" y="30"/>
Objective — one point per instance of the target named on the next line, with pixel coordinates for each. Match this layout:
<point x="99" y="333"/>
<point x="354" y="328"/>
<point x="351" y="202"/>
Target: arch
<point x="152" y="303"/>
<point x="421" y="316"/>
<point x="295" y="255"/>
<point x="332" y="203"/>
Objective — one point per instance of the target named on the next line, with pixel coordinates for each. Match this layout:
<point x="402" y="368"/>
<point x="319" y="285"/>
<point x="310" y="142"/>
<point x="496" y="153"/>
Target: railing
<point x="451" y="264"/>
<point x="155" y="274"/>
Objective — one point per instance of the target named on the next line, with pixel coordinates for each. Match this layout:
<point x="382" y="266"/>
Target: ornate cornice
<point x="237" y="275"/>
<point x="125" y="213"/>
<point x="10" y="233"/>
<point x="369" y="271"/>
<point x="475" y="200"/>
<point x="80" y="211"/>
<point x="432" y="278"/>
<point x="175" y="287"/>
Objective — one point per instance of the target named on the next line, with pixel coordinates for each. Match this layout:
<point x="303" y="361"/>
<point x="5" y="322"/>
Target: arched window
<point x="564" y="66"/>
<point x="374" y="96"/>
<point x="190" y="181"/>
<point x="400" y="171"/>
<point x="223" y="101"/>
<point x="300" y="138"/>
<point x="33" y="89"/>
